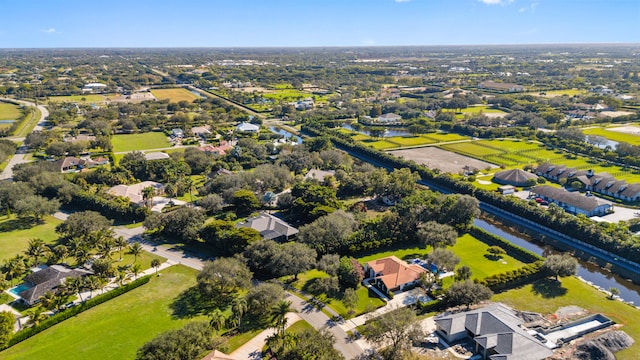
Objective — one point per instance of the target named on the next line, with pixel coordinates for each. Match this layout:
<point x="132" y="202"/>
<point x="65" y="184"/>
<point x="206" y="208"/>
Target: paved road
<point x="19" y="157"/>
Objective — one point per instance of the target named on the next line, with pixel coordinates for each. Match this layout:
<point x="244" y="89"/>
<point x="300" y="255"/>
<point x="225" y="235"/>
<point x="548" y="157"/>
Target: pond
<point x="7" y="121"/>
<point x="388" y="132"/>
<point x="586" y="270"/>
<point x="195" y="93"/>
<point x="287" y="135"/>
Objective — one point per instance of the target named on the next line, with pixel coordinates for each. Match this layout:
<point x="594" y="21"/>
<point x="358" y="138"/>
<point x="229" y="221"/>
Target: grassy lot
<point x="516" y="154"/>
<point x="174" y="95"/>
<point x="473" y="110"/>
<point x="546" y="297"/>
<point x="9" y="111"/>
<point x="367" y="300"/>
<point x="144" y="141"/>
<point x="88" y="98"/>
<point x="15" y="235"/>
<point x="29" y="122"/>
<point x="115" y="329"/>
<point x="554" y="93"/>
<point x="612" y="135"/>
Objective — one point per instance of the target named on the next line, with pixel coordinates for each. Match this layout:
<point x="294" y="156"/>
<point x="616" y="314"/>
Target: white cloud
<point x="496" y="2"/>
<point x="532" y="8"/>
<point x="50" y="31"/>
<point x="401" y="1"/>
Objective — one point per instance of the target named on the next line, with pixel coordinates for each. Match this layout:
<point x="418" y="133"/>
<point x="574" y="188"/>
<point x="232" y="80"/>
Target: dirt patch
<point x="570" y="311"/>
<point x="615" y="113"/>
<point x="445" y="161"/>
<point x="633" y="130"/>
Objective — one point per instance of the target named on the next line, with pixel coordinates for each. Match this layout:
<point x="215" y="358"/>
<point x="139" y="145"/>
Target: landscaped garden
<point x="114" y="329"/>
<point x="546" y="296"/>
<point x="143" y="141"/>
<point x="174" y="95"/>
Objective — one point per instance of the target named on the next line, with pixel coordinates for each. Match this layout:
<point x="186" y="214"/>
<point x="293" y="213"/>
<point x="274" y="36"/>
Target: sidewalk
<point x="252" y="349"/>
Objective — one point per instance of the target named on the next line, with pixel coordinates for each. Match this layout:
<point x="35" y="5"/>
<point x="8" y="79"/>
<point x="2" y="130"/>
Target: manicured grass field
<point x="174" y="95"/>
<point x="14" y="237"/>
<point x="545" y="296"/>
<point x="28" y="123"/>
<point x="88" y="98"/>
<point x="410" y="140"/>
<point x="553" y="93"/>
<point x="10" y="112"/>
<point x="471" y="148"/>
<point x="114" y="329"/>
<point x="144" y="141"/>
<point x="614" y="135"/>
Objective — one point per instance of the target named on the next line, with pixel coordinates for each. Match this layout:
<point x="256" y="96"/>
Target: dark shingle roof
<point x="587" y="203"/>
<point x="48" y="279"/>
<point x="515" y="177"/>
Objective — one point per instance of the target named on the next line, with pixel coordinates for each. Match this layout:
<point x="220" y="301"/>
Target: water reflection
<point x="588" y="271"/>
<point x="387" y="133"/>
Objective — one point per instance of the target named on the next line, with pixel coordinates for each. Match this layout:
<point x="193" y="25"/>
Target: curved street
<point x="21" y="152"/>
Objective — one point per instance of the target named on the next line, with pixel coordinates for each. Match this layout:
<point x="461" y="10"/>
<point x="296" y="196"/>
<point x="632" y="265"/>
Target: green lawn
<point x="553" y="93"/>
<point x="10" y="111"/>
<point x="14" y="235"/>
<point x="88" y="98"/>
<point x="174" y="95"/>
<point x="29" y="122"/>
<point x="115" y="329"/>
<point x="144" y="141"/>
<point x="614" y="135"/>
<point x="546" y="297"/>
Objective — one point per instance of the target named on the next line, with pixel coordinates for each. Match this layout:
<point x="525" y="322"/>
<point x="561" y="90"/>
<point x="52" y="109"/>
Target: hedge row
<point x="85" y="200"/>
<point x="68" y="313"/>
<point x="431" y="306"/>
<point x="513" y="278"/>
<point x="509" y="247"/>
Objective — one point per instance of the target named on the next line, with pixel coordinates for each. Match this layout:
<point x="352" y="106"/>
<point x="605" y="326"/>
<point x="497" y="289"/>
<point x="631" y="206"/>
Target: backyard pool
<point x="18" y="289"/>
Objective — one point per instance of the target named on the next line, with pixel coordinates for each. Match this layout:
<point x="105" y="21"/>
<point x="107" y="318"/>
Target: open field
<point x="546" y="296"/>
<point x="446" y="161"/>
<point x="619" y="134"/>
<point x="174" y="95"/>
<point x="402" y="141"/>
<point x="10" y="111"/>
<point x="555" y="93"/>
<point x="30" y="122"/>
<point x="144" y="141"/>
<point x="87" y="98"/>
<point x="14" y="236"/>
<point x="114" y="329"/>
<point x="473" y="110"/>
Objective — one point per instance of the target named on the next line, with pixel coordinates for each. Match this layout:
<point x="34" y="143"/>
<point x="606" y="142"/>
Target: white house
<point x="248" y="127"/>
<point x="389" y="118"/>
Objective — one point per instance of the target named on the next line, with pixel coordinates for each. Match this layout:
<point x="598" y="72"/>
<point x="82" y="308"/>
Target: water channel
<point x="629" y="291"/>
<point x="389" y="132"/>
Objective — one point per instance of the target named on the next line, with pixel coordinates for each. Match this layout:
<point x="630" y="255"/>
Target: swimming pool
<point x="18" y="289"/>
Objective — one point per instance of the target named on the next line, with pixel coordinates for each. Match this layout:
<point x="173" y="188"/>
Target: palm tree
<point x="239" y="307"/>
<point x="135" y="270"/>
<point x="279" y="315"/>
<point x="190" y="185"/>
<point x="147" y="195"/>
<point x="60" y="252"/>
<point x="104" y="247"/>
<point x="48" y="299"/>
<point x="16" y="267"/>
<point x="4" y="284"/>
<point x="136" y="250"/>
<point x="77" y="286"/>
<point x="218" y="319"/>
<point x="82" y="255"/>
<point x="121" y="243"/>
<point x="93" y="283"/>
<point x="155" y="263"/>
<point x="121" y="276"/>
<point x="37" y="316"/>
<point x="36" y="249"/>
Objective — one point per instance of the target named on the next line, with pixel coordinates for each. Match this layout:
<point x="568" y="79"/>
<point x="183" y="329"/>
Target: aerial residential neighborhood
<point x="398" y="180"/>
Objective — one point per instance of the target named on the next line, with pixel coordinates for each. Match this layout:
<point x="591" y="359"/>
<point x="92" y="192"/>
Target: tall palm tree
<point x="16" y="267"/>
<point x="135" y="270"/>
<point x="218" y="319"/>
<point x="279" y="315"/>
<point x="36" y="249"/>
<point x="121" y="276"/>
<point x="105" y="246"/>
<point x="239" y="307"/>
<point x="37" y="316"/>
<point x="121" y="243"/>
<point x="147" y="195"/>
<point x="60" y="252"/>
<point x="190" y="185"/>
<point x="77" y="286"/>
<point x="155" y="263"/>
<point x="92" y="283"/>
<point x="135" y="249"/>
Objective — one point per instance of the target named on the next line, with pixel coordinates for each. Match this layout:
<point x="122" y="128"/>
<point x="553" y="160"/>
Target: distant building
<point x="315" y="174"/>
<point x="507" y="189"/>
<point x="389" y="118"/>
<point x="94" y="88"/>
<point x="248" y="127"/>
<point x="134" y="192"/>
<point x="393" y="274"/>
<point x="75" y="164"/>
<point x="497" y="332"/>
<point x="502" y="87"/>
<point x="515" y="177"/>
<point x="573" y="202"/>
<point x="270" y="227"/>
<point x="156" y="156"/>
<point x="79" y="138"/>
<point x="221" y="149"/>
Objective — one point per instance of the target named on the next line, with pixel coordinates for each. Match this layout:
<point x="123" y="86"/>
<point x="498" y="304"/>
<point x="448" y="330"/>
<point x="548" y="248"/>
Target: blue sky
<point x="239" y="23"/>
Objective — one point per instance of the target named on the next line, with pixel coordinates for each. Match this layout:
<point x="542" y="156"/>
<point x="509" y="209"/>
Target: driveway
<point x="252" y="349"/>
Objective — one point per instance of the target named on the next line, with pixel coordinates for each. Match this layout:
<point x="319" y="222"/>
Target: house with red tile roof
<point x="393" y="274"/>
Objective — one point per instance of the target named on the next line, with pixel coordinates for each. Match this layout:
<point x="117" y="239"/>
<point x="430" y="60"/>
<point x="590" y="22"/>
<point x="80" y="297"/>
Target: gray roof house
<point x="515" y="177"/>
<point x="497" y="332"/>
<point x="573" y="202"/>
<point x="270" y="227"/>
<point x="48" y="279"/>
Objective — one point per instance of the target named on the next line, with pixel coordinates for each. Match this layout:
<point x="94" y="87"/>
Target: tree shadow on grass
<point x="549" y="288"/>
<point x="413" y="256"/>
<point x="190" y="303"/>
<point x="17" y="224"/>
